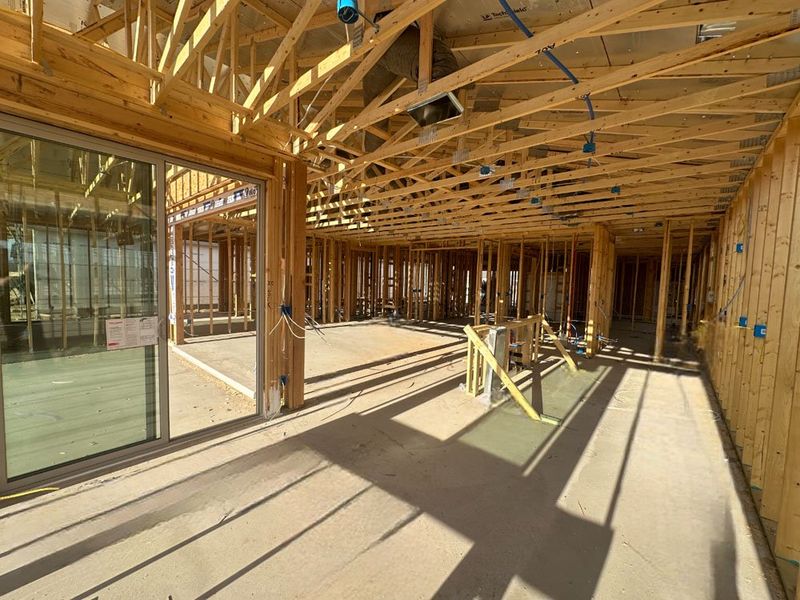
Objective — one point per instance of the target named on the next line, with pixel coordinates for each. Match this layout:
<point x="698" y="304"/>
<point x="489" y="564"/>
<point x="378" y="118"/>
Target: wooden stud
<point x="663" y="288"/>
<point x="210" y="278"/>
<point x="746" y="409"/>
<point x="571" y="294"/>
<point x="229" y="275"/>
<point x="782" y="306"/>
<point x="563" y="291"/>
<point x="37" y="16"/>
<point x="764" y="352"/>
<point x="191" y="279"/>
<point x="478" y="279"/>
<point x="687" y="278"/>
<point x="635" y="289"/>
<point x="297" y="257"/>
<point x="180" y="301"/>
<point x="520" y="282"/>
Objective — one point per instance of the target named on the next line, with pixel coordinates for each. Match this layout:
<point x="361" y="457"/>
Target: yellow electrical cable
<point x="29" y="492"/>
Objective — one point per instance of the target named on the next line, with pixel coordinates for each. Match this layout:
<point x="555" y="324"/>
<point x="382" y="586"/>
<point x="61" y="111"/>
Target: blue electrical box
<point x="535" y="200"/>
<point x="589" y="147"/>
<point x="743" y="321"/>
<point x="739" y="247"/>
<point x="615" y="189"/>
<point x="760" y="331"/>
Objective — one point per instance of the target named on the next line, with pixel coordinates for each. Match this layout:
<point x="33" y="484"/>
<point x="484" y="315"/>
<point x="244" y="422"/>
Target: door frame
<point x="261" y="207"/>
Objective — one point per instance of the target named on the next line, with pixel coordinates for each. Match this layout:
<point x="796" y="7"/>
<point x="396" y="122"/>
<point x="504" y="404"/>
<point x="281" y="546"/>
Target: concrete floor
<point x="198" y="400"/>
<point x="393" y="483"/>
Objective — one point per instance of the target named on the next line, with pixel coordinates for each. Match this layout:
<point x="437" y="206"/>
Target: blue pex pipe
<point x="553" y="58"/>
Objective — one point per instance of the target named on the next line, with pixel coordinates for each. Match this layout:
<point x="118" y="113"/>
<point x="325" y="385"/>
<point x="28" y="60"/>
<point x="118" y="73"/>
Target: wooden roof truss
<point x="678" y="149"/>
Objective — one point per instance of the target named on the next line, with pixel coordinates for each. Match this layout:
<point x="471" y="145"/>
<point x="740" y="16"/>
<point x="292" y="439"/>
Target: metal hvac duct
<point x="402" y="60"/>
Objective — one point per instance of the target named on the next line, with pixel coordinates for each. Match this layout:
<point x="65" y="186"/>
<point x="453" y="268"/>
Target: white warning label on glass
<point x="131" y="333"/>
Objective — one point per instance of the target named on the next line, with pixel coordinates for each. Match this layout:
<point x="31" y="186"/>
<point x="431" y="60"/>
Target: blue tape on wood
<point x="760" y="331"/>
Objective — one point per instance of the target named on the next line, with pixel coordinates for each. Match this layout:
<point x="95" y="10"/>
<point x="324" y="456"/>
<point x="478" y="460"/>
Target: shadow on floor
<point x="508" y="511"/>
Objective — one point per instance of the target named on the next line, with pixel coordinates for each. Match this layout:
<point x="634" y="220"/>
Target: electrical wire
<point x="733" y="297"/>
<point x="739" y="287"/>
<point x="315" y="327"/>
<point x="314" y="99"/>
<point x="553" y="59"/>
<point x="288" y="321"/>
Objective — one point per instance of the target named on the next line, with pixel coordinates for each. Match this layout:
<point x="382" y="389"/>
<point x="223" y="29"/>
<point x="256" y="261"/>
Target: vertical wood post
<point x="521" y="280"/>
<point x="37" y="16"/>
<point x="488" y="295"/>
<point x="191" y="279"/>
<point x="478" y="279"/>
<point x="348" y="282"/>
<point x="545" y="273"/>
<point x="437" y="287"/>
<point x="570" y="298"/>
<point x="562" y="308"/>
<point x="635" y="289"/>
<point x="663" y="287"/>
<point x="210" y="278"/>
<point x="784" y="385"/>
<point x="178" y="331"/>
<point x="687" y="280"/>
<point x="296" y="248"/>
<point x="273" y="387"/>
<point x="597" y="273"/>
<point x="227" y="280"/>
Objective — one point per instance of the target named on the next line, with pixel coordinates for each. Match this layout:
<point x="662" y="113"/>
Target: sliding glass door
<point x="88" y="375"/>
<point x="78" y="303"/>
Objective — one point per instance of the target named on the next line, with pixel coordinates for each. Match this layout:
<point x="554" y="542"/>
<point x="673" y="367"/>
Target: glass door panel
<point x="78" y="303"/>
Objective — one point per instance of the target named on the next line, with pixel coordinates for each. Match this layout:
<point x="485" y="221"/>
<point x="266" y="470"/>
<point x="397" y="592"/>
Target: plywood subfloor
<point x="393" y="483"/>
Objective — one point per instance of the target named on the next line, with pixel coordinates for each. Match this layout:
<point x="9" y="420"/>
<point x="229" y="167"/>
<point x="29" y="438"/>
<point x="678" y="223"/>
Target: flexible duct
<point x="402" y="60"/>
